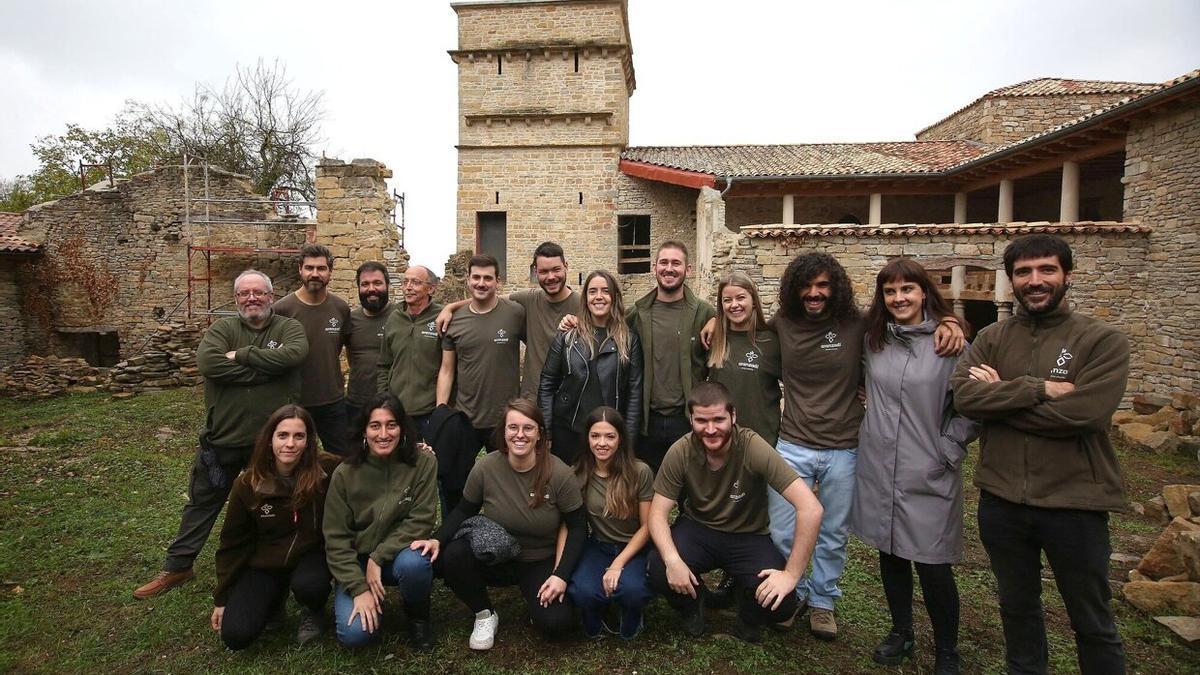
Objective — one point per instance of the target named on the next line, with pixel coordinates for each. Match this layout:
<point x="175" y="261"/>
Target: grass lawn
<point x="90" y="493"/>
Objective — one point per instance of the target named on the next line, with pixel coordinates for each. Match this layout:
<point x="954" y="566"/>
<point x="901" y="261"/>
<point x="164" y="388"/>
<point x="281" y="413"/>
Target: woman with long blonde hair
<point x="745" y="356"/>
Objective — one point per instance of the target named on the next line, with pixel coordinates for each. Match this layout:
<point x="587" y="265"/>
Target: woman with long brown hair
<point x="908" y="482"/>
<point x="617" y="490"/>
<point x="598" y="362"/>
<point x="271" y="541"/>
<point x="529" y="494"/>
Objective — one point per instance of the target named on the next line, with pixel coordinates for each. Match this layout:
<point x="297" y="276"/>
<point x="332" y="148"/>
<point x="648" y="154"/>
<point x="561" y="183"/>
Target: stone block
<point x="1188" y="544"/>
<point x="1176" y="497"/>
<point x="1182" y="422"/>
<point x="1194" y="502"/>
<point x="1164" y="559"/>
<point x="1183" y="400"/>
<point x="1186" y="627"/>
<point x="1164" y="597"/>
<point x="1145" y="437"/>
<point x="1156" y="511"/>
<point x="1147" y="404"/>
<point x="1160" y="420"/>
<point x="1123" y="417"/>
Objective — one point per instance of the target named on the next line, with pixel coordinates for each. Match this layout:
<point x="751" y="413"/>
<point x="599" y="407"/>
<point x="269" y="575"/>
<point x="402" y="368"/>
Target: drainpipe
<point x="728" y="184"/>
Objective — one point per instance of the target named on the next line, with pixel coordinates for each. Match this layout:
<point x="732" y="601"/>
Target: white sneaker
<point x="484" y="633"/>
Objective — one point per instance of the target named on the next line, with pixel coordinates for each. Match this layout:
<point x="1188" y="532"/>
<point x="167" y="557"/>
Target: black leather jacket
<point x="565" y="377"/>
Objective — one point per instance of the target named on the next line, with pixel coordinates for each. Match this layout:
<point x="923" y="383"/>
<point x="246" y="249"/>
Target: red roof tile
<point x="9" y="241"/>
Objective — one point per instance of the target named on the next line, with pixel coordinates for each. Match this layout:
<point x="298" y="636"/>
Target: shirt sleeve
<point x="473" y="490"/>
<point x="645" y="483"/>
<point x="767" y="462"/>
<point x="669" y="481"/>
<point x="567" y="491"/>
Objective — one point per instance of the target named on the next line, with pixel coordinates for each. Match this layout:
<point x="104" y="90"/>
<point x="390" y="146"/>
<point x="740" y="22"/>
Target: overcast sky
<point x="708" y="71"/>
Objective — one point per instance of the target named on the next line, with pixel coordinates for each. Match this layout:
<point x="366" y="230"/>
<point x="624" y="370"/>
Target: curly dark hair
<point x="802" y="270"/>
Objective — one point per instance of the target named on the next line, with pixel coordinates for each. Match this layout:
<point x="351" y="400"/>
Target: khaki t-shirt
<point x="326" y="326"/>
<point x="733" y="498"/>
<point x="505" y="496"/>
<point x="541" y="325"/>
<point x="488" y="365"/>
<point x="608" y="528"/>
<point x="822" y="368"/>
<point x="666" y="320"/>
<point x="362" y="351"/>
<point x="751" y="373"/>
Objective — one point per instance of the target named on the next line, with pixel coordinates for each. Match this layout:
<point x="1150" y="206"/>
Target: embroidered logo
<point x="751" y="356"/>
<point x="1062" y="370"/>
<point x="750" y="361"/>
<point x="501" y="337"/>
<point x="406" y="497"/>
<point x="430" y="330"/>
<point x="737" y="495"/>
<point x="273" y="345"/>
<point x="333" y="325"/>
<point x="266" y="511"/>
<point x="333" y="322"/>
<point x="831" y="342"/>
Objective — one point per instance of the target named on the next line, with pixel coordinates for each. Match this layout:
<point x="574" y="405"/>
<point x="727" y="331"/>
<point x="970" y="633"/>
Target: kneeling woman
<point x="271" y="540"/>
<point x="381" y="500"/>
<point x="617" y="491"/>
<point x="530" y="493"/>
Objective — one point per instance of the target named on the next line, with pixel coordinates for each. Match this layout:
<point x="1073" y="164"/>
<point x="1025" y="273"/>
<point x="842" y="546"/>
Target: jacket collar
<point x="1053" y="318"/>
<point x="689" y="298"/>
<point x="431" y="311"/>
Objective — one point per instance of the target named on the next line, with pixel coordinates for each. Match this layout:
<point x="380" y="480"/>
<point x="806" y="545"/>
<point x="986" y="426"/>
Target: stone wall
<point x="518" y="25"/>
<point x="354" y="219"/>
<point x="672" y="211"/>
<point x="14" y="329"/>
<point x="1004" y="119"/>
<point x="1162" y="189"/>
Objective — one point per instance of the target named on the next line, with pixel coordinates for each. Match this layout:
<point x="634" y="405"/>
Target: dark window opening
<point x="99" y="349"/>
<point x="633" y="244"/>
<point x="497" y="196"/>
<point x="979" y="313"/>
<point x="577" y="62"/>
<point x="499" y="64"/>
<point x="493" y="237"/>
<point x="849" y="219"/>
<point x="580" y="197"/>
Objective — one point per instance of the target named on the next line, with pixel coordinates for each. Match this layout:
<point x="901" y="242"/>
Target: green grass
<point x="90" y="492"/>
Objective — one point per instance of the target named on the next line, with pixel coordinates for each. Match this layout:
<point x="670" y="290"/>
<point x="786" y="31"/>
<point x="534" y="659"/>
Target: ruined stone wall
<point x="1162" y="189"/>
<point x="14" y="329"/>
<point x="1112" y="272"/>
<point x="354" y="219"/>
<point x="672" y="211"/>
<point x="1001" y="120"/>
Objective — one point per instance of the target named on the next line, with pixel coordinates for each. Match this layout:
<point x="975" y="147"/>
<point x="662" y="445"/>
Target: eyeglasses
<point x="245" y="295"/>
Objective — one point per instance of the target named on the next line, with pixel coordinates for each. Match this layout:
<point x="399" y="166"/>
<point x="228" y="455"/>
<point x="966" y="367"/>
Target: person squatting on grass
<point x="529" y="493"/>
<point x="382" y="499"/>
<point x="271" y="541"/>
<point x="617" y="491"/>
<point x="908" y="484"/>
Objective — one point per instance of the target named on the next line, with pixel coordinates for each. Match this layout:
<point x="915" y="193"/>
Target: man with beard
<point x="251" y="367"/>
<point x="481" y="351"/>
<point x="668" y="319"/>
<point x="411" y="352"/>
<point x="366" y="335"/>
<point x="544" y="309"/>
<point x="725" y="471"/>
<point x="821" y="337"/>
<point x="326" y="320"/>
<point x="1045" y="384"/>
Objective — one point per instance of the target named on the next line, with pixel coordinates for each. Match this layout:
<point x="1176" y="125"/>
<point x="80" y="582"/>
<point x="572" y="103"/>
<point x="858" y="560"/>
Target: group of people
<point x="620" y="416"/>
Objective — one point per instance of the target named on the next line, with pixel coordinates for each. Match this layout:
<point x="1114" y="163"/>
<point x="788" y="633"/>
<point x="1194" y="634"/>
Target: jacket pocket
<point x="951" y="452"/>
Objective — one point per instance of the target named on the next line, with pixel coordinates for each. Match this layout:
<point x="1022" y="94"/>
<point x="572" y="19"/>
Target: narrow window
<point x="493" y="236"/>
<point x="581" y="198"/>
<point x="499" y="64"/>
<point x="497" y="196"/>
<point x="633" y="244"/>
<point x="577" y="61"/>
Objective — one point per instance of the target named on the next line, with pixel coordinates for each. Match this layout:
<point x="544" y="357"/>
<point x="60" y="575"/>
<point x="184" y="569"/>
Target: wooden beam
<point x="1034" y="168"/>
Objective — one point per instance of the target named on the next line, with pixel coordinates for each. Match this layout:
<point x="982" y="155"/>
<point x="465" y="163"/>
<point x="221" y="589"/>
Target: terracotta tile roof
<point x="1081" y="227"/>
<point x="811" y="159"/>
<point x="9" y="241"/>
<point x="1057" y="86"/>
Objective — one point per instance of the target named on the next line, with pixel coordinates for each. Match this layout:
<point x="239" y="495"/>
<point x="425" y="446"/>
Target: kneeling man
<point x="724" y="470"/>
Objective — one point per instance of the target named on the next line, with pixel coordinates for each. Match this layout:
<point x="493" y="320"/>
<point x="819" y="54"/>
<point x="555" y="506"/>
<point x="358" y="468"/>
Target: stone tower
<point x="543" y="114"/>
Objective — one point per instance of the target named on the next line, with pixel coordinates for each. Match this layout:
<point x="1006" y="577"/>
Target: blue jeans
<point x="587" y="587"/>
<point x="410" y="570"/>
<point x="833" y="472"/>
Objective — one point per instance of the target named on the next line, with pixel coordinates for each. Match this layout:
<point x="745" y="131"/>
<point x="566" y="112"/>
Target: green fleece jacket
<point x="241" y="393"/>
<point x="376" y="509"/>
<point x="1052" y="453"/>
<point x="692" y="355"/>
<point x="409" y="358"/>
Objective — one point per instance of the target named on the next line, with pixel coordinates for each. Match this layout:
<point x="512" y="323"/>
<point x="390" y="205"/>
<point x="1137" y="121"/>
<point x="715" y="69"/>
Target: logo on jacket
<point x="333" y="325"/>
<point x="749" y="362"/>
<point x="406" y="497"/>
<point x="501" y="337"/>
<point x="266" y="511"/>
<point x="831" y="342"/>
<point x="430" y="330"/>
<point x="738" y="494"/>
<point x="1064" y="357"/>
<point x="273" y="345"/>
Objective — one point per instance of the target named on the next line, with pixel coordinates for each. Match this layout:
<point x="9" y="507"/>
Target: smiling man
<point x="725" y="471"/>
<point x="411" y="353"/>
<point x="1045" y="384"/>
<point x="365" y="336"/>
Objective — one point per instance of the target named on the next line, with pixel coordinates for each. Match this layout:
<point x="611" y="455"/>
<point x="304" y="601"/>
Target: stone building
<point x="14" y="252"/>
<point x="1112" y="166"/>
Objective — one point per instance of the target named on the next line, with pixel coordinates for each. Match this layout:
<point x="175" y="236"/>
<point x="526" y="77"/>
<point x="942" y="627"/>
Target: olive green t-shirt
<point x="608" y="528"/>
<point x="362" y="352"/>
<point x="733" y="498"/>
<point x="541" y="325"/>
<point x="751" y="373"/>
<point x="666" y="320"/>
<point x="488" y="359"/>
<point x="822" y="368"/>
<point x="326" y="325"/>
<point x="505" y="494"/>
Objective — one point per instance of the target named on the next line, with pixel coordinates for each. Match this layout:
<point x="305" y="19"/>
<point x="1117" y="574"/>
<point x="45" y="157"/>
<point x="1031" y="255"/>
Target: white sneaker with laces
<point x="484" y="633"/>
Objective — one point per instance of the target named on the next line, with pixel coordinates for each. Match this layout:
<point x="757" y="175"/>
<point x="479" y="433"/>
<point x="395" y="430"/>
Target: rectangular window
<point x="633" y="244"/>
<point x="493" y="237"/>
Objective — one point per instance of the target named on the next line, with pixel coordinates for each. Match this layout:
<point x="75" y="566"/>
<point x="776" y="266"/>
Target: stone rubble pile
<point x="1166" y="581"/>
<point x="45" y="376"/>
<point x="169" y="360"/>
<point x="1161" y="424"/>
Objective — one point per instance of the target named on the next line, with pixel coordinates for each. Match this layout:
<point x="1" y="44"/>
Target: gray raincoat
<point x="908" y="491"/>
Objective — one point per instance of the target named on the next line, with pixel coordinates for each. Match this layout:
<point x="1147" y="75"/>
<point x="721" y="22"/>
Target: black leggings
<point x="257" y="593"/>
<point x="469" y="579"/>
<point x="938" y="588"/>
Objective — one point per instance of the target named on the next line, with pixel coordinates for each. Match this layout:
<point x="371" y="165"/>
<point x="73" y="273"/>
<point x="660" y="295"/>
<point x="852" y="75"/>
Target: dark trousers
<point x="332" y="426"/>
<point x="661" y="432"/>
<point x="742" y="556"/>
<point x="938" y="589"/>
<point x="469" y="579"/>
<point x="1077" y="547"/>
<point x="204" y="504"/>
<point x="256" y="593"/>
<point x="566" y="443"/>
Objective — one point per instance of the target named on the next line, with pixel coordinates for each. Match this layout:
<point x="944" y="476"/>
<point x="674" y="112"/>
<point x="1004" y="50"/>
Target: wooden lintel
<point x="1091" y="152"/>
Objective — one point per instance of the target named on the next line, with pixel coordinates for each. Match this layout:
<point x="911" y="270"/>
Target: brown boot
<point x="164" y="582"/>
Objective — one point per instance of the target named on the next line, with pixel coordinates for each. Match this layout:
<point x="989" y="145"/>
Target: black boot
<point x="946" y="662"/>
<point x="692" y="619"/>
<point x="895" y="647"/>
<point x="420" y="632"/>
<point x="721" y="597"/>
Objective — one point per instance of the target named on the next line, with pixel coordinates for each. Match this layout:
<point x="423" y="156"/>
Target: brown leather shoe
<point x="164" y="582"/>
<point x="822" y="624"/>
